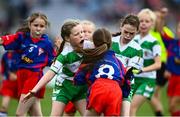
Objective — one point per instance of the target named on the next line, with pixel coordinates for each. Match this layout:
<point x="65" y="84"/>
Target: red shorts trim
<point x="70" y="108"/>
<point x="105" y="96"/>
<point x="9" y="88"/>
<point x="174" y="85"/>
<point x="27" y="79"/>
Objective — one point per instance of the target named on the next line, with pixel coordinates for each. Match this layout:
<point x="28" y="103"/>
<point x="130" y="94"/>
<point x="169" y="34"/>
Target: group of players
<point x="96" y="72"/>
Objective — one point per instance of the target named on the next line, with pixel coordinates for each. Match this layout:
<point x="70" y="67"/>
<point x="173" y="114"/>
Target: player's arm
<point x="155" y="66"/>
<point x="55" y="67"/>
<point x="44" y="80"/>
<point x="160" y="21"/>
<point x="82" y="75"/>
<point x="48" y="76"/>
<point x="51" y="52"/>
<point x="166" y="39"/>
<point x="11" y="42"/>
<point x="136" y="63"/>
<point x="157" y="59"/>
<point x="1" y="41"/>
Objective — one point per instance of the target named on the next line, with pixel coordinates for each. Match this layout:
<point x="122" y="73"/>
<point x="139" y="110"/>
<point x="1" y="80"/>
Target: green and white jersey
<point x="130" y="54"/>
<point x="151" y="49"/>
<point x="66" y="64"/>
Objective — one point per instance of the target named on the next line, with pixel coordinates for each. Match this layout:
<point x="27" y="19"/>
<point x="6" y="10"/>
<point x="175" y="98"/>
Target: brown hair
<point x="90" y="23"/>
<point x="102" y="42"/>
<point x="25" y="28"/>
<point x="130" y="19"/>
<point x="66" y="31"/>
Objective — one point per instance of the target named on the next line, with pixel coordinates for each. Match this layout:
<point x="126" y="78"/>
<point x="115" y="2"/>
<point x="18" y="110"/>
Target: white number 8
<point x="101" y="72"/>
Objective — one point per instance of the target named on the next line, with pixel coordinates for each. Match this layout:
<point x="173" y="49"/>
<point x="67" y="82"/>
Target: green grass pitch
<point x="145" y="110"/>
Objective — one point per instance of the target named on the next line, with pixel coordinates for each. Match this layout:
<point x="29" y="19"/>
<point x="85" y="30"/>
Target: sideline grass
<point x="145" y="110"/>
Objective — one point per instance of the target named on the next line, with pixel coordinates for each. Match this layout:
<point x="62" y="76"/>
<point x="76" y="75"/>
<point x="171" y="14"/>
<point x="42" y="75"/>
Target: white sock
<point x="3" y="114"/>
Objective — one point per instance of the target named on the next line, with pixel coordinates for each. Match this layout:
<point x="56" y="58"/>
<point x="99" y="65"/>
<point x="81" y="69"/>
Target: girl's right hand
<point x="28" y="96"/>
<point x="167" y="74"/>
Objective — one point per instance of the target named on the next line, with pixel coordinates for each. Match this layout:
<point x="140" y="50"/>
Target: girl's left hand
<point x="12" y="76"/>
<point x="177" y="61"/>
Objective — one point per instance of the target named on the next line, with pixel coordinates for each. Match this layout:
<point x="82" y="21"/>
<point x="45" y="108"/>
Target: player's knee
<point x="172" y="107"/>
<point x="133" y="109"/>
<point x="19" y="114"/>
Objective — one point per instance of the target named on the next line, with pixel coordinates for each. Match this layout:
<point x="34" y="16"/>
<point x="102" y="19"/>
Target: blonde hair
<point x="149" y="12"/>
<point x="87" y="22"/>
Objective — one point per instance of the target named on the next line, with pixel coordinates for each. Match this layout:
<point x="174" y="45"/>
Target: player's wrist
<point x="1" y="41"/>
<point x="140" y="71"/>
<point x="32" y="92"/>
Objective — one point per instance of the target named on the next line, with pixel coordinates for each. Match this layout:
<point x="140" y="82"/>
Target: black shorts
<point x="160" y="79"/>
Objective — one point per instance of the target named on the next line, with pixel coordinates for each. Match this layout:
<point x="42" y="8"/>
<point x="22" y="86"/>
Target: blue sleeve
<point x="13" y="42"/>
<point x="80" y="76"/>
<point x="51" y="52"/>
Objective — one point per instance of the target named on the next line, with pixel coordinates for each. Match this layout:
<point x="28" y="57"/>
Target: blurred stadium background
<point x="104" y="13"/>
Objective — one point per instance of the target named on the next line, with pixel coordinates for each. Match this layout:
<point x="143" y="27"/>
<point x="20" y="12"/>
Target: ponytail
<point x="102" y="41"/>
<point x="91" y="56"/>
<point x="61" y="47"/>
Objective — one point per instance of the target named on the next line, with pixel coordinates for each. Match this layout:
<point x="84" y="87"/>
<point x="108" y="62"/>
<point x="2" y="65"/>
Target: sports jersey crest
<point x="40" y="51"/>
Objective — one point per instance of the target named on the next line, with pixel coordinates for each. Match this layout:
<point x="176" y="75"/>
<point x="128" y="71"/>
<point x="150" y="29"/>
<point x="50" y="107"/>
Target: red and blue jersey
<point x="35" y="54"/>
<point x="173" y="49"/>
<point x="108" y="67"/>
<point x="9" y="63"/>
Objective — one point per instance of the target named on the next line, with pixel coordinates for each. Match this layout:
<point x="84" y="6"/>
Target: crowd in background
<point x="105" y="11"/>
<point x="108" y="11"/>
